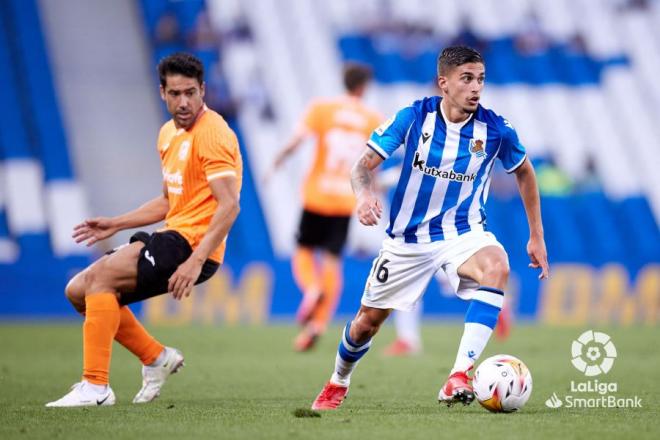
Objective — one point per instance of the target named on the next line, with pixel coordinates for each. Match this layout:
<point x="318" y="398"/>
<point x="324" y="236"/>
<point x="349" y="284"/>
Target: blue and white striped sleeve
<point x="391" y="134"/>
<point x="512" y="153"/>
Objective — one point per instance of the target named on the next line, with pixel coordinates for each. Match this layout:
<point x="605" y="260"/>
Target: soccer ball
<point x="502" y="383"/>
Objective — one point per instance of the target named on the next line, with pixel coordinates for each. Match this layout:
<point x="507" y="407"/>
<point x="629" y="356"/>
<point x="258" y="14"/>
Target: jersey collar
<point x="448" y="123"/>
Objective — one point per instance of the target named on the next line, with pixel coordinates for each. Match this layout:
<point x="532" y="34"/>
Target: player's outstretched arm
<point x="99" y="228"/>
<point x="225" y="191"/>
<point x="529" y="192"/>
<point x="369" y="206"/>
<point x="289" y="148"/>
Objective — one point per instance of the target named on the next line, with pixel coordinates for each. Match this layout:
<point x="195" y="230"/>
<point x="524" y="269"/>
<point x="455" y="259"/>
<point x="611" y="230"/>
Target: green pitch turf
<point x="247" y="383"/>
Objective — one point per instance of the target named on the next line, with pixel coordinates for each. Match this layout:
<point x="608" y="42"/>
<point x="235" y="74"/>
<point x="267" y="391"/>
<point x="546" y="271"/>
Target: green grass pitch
<point x="247" y="383"/>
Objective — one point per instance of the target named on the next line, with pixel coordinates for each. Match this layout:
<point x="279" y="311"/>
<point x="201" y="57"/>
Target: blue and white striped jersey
<point x="446" y="168"/>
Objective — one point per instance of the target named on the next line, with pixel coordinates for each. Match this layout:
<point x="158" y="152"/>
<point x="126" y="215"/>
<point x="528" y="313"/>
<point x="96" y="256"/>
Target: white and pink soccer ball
<point x="502" y="383"/>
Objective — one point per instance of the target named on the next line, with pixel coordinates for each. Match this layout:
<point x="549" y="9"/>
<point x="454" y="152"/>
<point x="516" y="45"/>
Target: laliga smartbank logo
<point x="593" y="353"/>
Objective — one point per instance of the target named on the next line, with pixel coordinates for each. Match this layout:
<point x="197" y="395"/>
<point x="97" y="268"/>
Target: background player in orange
<point x="341" y="127"/>
<point x="202" y="171"/>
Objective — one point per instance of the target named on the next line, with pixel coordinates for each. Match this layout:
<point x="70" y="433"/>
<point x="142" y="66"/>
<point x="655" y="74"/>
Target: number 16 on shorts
<point x="380" y="270"/>
<point x="398" y="277"/>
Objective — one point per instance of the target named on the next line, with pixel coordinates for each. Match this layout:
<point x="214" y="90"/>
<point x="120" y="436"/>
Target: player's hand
<point x="182" y="281"/>
<point x="538" y="256"/>
<point x="93" y="230"/>
<point x="369" y="208"/>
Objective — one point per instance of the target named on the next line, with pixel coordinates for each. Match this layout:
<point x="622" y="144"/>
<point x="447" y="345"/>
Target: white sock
<point x="94" y="388"/>
<point x="474" y="340"/>
<point x="160" y="359"/>
<point x="407" y="326"/>
<point x="343" y="371"/>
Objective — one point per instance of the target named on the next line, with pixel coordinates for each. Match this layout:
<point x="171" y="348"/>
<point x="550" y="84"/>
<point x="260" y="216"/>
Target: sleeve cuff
<point x="371" y="144"/>
<point x="219" y="174"/>
<point x="516" y="166"/>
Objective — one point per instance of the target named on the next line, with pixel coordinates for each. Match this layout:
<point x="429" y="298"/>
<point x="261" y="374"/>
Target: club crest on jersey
<point x="477" y="147"/>
<point x="183" y="150"/>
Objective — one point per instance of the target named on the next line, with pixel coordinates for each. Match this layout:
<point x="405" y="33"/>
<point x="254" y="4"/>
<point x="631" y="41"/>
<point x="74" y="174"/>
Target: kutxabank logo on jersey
<point x="420" y="165"/>
<point x="593" y="353"/>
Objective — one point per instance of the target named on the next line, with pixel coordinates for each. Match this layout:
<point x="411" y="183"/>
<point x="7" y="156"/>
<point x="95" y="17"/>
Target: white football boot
<point x="153" y="378"/>
<point x="82" y="394"/>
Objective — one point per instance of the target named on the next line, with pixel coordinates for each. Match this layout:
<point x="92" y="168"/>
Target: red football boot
<point x="305" y="341"/>
<point x="456" y="389"/>
<point x="330" y="397"/>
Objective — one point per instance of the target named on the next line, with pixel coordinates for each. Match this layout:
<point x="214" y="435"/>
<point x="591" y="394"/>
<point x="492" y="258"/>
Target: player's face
<point x="462" y="86"/>
<point x="184" y="98"/>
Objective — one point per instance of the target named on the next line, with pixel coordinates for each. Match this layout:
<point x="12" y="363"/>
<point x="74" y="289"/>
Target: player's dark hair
<point x="356" y="75"/>
<point x="455" y="56"/>
<point x="180" y="63"/>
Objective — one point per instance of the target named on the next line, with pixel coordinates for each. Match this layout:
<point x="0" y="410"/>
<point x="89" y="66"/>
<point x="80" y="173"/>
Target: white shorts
<point x="402" y="271"/>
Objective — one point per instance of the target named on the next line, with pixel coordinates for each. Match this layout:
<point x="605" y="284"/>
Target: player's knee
<point x="497" y="269"/>
<point x="72" y="290"/>
<point x="75" y="292"/>
<point x="93" y="278"/>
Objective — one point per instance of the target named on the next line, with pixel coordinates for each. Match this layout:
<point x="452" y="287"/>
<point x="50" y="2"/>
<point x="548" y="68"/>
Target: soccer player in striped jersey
<point x="437" y="219"/>
<point x="202" y="173"/>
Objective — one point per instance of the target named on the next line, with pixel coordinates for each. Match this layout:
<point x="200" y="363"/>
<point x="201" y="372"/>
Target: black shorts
<point x="159" y="258"/>
<point x="322" y="231"/>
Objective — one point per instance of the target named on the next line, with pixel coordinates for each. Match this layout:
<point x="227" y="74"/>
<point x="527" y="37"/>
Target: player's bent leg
<point x="102" y="282"/>
<point x="354" y="344"/>
<point x="323" y="309"/>
<point x="307" y="278"/>
<point x="99" y="328"/>
<point x="332" y="283"/>
<point x="159" y="362"/>
<point x="169" y="250"/>
<point x="489" y="267"/>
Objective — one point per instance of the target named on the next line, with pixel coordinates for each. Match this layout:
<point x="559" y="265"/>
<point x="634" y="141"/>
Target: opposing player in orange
<point x="202" y="169"/>
<point x="341" y="127"/>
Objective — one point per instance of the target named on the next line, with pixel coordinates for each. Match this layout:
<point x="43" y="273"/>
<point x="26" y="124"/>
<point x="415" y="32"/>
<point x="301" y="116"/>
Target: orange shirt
<point x="190" y="159"/>
<point x="342" y="127"/>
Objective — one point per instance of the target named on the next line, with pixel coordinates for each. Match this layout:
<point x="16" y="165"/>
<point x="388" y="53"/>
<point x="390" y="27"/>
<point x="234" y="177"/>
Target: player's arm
<point x="307" y="127"/>
<point x="384" y="141"/>
<point x="529" y="192"/>
<point x="99" y="228"/>
<point x="225" y="191"/>
<point x="363" y="181"/>
<point x="290" y="147"/>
